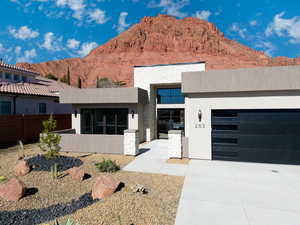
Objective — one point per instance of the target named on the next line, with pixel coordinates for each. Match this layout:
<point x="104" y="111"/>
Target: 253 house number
<point x="199" y="125"/>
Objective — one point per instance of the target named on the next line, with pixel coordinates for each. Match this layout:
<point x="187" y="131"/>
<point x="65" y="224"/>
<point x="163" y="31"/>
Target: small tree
<point x="68" y="77"/>
<point x="49" y="141"/>
<point x="79" y="82"/>
<point x="51" y="76"/>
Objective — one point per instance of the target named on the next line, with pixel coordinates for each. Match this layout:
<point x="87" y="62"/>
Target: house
<point x="26" y="92"/>
<point x="240" y="115"/>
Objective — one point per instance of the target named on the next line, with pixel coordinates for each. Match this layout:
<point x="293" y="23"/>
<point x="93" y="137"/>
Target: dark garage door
<point x="271" y="136"/>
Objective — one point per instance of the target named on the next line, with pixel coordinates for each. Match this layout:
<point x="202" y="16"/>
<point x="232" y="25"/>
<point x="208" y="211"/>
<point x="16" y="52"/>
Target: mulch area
<point x="63" y="198"/>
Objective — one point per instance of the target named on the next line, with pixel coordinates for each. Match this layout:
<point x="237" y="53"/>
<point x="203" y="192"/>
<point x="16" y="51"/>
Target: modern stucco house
<point x="242" y="114"/>
<point x="26" y="92"/>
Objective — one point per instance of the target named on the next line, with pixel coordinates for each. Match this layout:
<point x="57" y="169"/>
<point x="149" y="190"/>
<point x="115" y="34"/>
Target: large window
<point x="169" y="96"/>
<point x="104" y="121"/>
<point x="5" y="108"/>
<point x="42" y="108"/>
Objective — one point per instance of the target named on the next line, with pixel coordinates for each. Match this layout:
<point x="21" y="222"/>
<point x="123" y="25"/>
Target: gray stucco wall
<point x="85" y="143"/>
<point x="103" y="95"/>
<point x="242" y="80"/>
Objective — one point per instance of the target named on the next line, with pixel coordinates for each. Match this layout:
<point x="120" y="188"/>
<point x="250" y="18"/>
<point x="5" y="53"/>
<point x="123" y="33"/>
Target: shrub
<point x="138" y="188"/>
<point x="49" y="141"/>
<point x="69" y="222"/>
<point x="2" y="178"/>
<point x="107" y="165"/>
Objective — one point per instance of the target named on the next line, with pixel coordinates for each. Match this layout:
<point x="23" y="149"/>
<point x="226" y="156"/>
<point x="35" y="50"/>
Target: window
<point x="42" y="108"/>
<point x="7" y="76"/>
<point x="5" y="108"/>
<point x="169" y="96"/>
<point x="104" y="121"/>
<point x="24" y="78"/>
<point x="16" y="77"/>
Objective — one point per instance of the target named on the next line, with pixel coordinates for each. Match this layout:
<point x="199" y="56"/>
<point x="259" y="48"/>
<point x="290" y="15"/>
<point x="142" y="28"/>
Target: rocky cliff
<point x="159" y="40"/>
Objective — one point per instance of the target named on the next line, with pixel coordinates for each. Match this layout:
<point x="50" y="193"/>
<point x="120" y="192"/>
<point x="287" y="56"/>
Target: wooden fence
<point x="27" y="128"/>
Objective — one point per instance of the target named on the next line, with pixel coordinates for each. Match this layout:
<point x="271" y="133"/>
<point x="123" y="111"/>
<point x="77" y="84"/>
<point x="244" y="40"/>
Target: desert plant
<point x="138" y="188"/>
<point x="49" y="141"/>
<point x="54" y="171"/>
<point x="51" y="76"/>
<point x="2" y="178"/>
<point x="107" y="165"/>
<point x="69" y="222"/>
<point x="21" y="153"/>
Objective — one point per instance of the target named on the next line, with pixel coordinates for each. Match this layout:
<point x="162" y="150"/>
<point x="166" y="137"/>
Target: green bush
<point x="49" y="141"/>
<point x="69" y="222"/>
<point x="2" y="178"/>
<point x="107" y="165"/>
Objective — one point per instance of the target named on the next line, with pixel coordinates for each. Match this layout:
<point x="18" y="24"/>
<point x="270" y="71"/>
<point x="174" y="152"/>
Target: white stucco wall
<point x="29" y="104"/>
<point x="200" y="145"/>
<point x="147" y="77"/>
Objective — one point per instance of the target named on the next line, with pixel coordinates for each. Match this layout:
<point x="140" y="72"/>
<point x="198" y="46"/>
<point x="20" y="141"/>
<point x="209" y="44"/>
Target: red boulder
<point x="13" y="190"/>
<point x="76" y="173"/>
<point x="104" y="186"/>
<point x="22" y="168"/>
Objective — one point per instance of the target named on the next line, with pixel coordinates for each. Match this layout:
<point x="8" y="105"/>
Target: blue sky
<point x="43" y="30"/>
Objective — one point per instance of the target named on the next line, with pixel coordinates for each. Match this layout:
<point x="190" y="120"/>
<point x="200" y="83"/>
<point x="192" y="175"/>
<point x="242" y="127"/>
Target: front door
<point x="169" y="119"/>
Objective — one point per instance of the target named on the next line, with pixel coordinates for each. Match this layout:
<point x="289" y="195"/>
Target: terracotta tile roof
<point x="40" y="86"/>
<point x="16" y="68"/>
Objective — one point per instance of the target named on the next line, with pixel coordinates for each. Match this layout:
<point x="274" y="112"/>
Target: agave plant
<point x="69" y="222"/>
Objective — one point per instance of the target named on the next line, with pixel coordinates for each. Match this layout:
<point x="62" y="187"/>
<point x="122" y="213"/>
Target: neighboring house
<point x="26" y="92"/>
<point x="240" y="115"/>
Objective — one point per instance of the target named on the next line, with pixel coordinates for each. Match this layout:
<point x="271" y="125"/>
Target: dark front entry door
<point x="169" y="119"/>
<point x="271" y="136"/>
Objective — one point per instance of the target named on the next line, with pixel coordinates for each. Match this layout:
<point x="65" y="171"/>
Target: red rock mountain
<point x="159" y="40"/>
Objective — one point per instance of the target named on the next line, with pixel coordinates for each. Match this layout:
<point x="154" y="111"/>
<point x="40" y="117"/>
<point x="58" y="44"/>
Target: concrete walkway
<point x="153" y="160"/>
<point x="232" y="193"/>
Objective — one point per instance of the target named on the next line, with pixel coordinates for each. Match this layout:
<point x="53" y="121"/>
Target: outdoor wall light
<point x="75" y="112"/>
<point x="200" y="115"/>
<point x="132" y="114"/>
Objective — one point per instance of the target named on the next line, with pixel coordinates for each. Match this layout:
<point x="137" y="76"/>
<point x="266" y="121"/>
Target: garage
<point x="267" y="136"/>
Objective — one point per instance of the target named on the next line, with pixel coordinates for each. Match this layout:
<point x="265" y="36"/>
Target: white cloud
<point x="86" y="48"/>
<point x="77" y="6"/>
<point x="73" y="43"/>
<point x="18" y="50"/>
<point x="253" y="23"/>
<point x="171" y="7"/>
<point x="122" y="25"/>
<point x="99" y="16"/>
<point x="28" y="55"/>
<point x="204" y="14"/>
<point x="237" y="28"/>
<point x="285" y="27"/>
<point x="51" y="42"/>
<point x="4" y="50"/>
<point x="268" y="47"/>
<point x="23" y="33"/>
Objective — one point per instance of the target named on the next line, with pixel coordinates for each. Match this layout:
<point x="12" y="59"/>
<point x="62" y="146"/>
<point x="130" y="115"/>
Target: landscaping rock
<point x="104" y="186"/>
<point x="76" y="173"/>
<point x="13" y="190"/>
<point x="22" y="168"/>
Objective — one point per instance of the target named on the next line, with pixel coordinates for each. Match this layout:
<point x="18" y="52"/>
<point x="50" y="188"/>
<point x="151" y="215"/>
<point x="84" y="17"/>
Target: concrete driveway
<point x="229" y="193"/>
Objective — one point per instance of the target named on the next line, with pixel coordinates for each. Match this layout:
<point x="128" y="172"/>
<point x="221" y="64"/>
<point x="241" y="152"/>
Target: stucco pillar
<point x="175" y="144"/>
<point x="131" y="142"/>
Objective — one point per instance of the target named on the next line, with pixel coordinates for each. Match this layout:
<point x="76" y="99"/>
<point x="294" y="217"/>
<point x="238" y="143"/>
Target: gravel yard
<point x="65" y="197"/>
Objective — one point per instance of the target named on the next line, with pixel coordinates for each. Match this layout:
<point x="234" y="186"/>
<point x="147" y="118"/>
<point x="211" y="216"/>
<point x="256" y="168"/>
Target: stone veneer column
<point x="175" y="144"/>
<point x="131" y="142"/>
